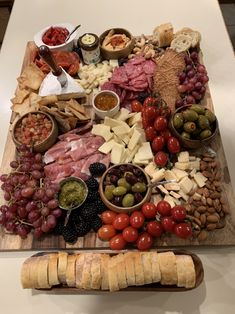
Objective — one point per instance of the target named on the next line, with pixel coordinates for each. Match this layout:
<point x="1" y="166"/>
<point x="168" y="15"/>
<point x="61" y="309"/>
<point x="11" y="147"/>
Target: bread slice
<point x="121" y="271"/>
<point x="164" y="34"/>
<point x="42" y="272"/>
<point x="33" y="272"/>
<point x="25" y="274"/>
<point x="70" y="270"/>
<point x="139" y="269"/>
<point x="130" y="268"/>
<point x="96" y="271"/>
<point x="86" y="273"/>
<point x="181" y="43"/>
<point x="190" y="271"/>
<point x="181" y="271"/>
<point x="147" y="266"/>
<point x="112" y="273"/>
<point x="53" y="269"/>
<point x="104" y="271"/>
<point x="156" y="274"/>
<point x="167" y="263"/>
<point x="62" y="265"/>
<point x="80" y="261"/>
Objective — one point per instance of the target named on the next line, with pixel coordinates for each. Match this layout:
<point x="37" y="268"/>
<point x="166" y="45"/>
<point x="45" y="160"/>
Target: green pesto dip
<point x="72" y="194"/>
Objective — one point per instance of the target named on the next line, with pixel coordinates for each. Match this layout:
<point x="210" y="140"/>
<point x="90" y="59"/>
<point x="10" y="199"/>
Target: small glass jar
<point x="89" y="44"/>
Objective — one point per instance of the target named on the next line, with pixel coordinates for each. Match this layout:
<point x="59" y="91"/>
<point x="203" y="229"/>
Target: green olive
<point x="128" y="200"/>
<point x="178" y="120"/>
<point x="190" y="115"/>
<point x="110" y="187"/>
<point x="205" y="134"/>
<point x="123" y="182"/>
<point x="108" y="194"/>
<point x="139" y="187"/>
<point x="198" y="108"/>
<point x="210" y="116"/>
<point x="189" y="127"/>
<point x="203" y="122"/>
<point x="119" y="190"/>
<point x="186" y="135"/>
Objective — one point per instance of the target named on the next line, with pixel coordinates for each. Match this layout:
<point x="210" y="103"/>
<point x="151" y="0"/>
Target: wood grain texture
<point x="219" y="237"/>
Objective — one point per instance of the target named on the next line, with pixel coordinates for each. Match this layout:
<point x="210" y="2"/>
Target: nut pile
<point x="207" y="207"/>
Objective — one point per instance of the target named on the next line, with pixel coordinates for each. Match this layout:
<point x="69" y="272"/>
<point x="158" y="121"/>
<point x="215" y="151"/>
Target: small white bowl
<point x="106" y="113"/>
<point x="67" y="46"/>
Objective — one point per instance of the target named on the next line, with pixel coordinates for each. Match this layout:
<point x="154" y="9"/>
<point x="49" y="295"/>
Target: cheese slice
<point x="183" y="195"/>
<point x="194" y="164"/>
<point x="123" y="114"/>
<point x="186" y="185"/>
<point x="134" y="140"/>
<point x="170" y="175"/>
<point x="111" y="122"/>
<point x="106" y="147"/>
<point x="175" y="195"/>
<point x="117" y="153"/>
<point x="179" y="173"/>
<point x="172" y="186"/>
<point x="144" y="152"/>
<point x="121" y="129"/>
<point x="158" y="175"/>
<point x="102" y="130"/>
<point x="150" y="169"/>
<point x="182" y="165"/>
<point x="162" y="189"/>
<point x="135" y="119"/>
<point x="130" y="154"/>
<point x="183" y="156"/>
<point x="200" y="179"/>
<point x="170" y="200"/>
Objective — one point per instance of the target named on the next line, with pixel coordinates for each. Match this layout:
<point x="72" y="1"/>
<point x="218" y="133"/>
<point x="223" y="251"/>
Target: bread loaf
<point x="62" y="265"/>
<point x="163" y="34"/>
<point x="71" y="271"/>
<point x="53" y="269"/>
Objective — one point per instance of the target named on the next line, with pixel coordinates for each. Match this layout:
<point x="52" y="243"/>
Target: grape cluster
<point x="192" y="81"/>
<point x="31" y="202"/>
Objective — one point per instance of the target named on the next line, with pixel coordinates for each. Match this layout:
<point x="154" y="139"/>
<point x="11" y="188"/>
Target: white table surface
<point x="217" y="292"/>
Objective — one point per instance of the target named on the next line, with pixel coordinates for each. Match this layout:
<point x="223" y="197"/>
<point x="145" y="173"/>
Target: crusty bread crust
<point x="70" y="270"/>
<point x="62" y="265"/>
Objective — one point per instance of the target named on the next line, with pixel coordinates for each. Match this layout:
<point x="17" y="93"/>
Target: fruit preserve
<point x="105" y="101"/>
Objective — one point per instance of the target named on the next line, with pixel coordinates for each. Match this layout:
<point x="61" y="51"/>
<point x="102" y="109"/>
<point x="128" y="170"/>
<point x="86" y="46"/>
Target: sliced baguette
<point x="181" y="271"/>
<point x="33" y="272"/>
<point x="42" y="272"/>
<point x="190" y="271"/>
<point x="164" y="34"/>
<point x="167" y="263"/>
<point x="147" y="267"/>
<point x="121" y="271"/>
<point x="62" y="265"/>
<point x="104" y="271"/>
<point x="181" y="43"/>
<point x="86" y="273"/>
<point x="156" y="274"/>
<point x="112" y="273"/>
<point x="96" y="271"/>
<point x="130" y="268"/>
<point x="80" y="261"/>
<point x="53" y="269"/>
<point x="70" y="270"/>
<point x="139" y="270"/>
<point x="25" y="274"/>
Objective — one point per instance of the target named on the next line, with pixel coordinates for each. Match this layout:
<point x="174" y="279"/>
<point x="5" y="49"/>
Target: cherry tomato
<point x="130" y="234"/>
<point x="144" y="241"/>
<point x="154" y="228"/>
<point x="168" y="224"/>
<point x="106" y="232"/>
<point x="166" y="134"/>
<point x="183" y="230"/>
<point x="150" y="101"/>
<point x="136" y="106"/>
<point x="158" y="143"/>
<point x="137" y="219"/>
<point x="149" y="210"/>
<point x="108" y="217"/>
<point x="121" y="221"/>
<point x="164" y="208"/>
<point x="161" y="159"/>
<point x="117" y="242"/>
<point x="160" y="123"/>
<point x="150" y="133"/>
<point x="173" y="145"/>
<point x="151" y="112"/>
<point x="145" y="122"/>
<point x="178" y="213"/>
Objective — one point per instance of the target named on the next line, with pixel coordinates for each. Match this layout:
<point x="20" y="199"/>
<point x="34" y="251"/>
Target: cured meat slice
<point x="56" y="171"/>
<point x="119" y="76"/>
<point x="80" y="130"/>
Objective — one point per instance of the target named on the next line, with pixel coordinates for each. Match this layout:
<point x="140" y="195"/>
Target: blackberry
<point x="58" y="230"/>
<point x="92" y="196"/>
<point x="88" y="212"/>
<point x="99" y="205"/>
<point x="97" y="169"/>
<point x="82" y="227"/>
<point x="92" y="184"/>
<point x="70" y="234"/>
<point x="96" y="223"/>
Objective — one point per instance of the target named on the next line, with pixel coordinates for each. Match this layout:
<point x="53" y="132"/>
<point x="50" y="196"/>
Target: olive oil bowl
<point x="193" y="140"/>
<point x="121" y="171"/>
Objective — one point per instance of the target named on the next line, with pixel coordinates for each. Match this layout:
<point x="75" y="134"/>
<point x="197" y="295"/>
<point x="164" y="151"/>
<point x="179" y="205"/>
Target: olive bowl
<point x="192" y="143"/>
<point x="45" y="144"/>
<point x="120" y="209"/>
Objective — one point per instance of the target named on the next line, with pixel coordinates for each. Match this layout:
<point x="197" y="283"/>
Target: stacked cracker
<point x="99" y="271"/>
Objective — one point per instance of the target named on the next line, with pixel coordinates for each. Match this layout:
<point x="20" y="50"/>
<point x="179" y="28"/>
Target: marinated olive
<point x="190" y="115"/>
<point x="137" y="172"/>
<point x="123" y="182"/>
<point x="210" y="116"/>
<point x="128" y="200"/>
<point x="117" y="200"/>
<point x="108" y="194"/>
<point x="120" y="190"/>
<point x="113" y="179"/>
<point x="115" y="172"/>
<point x="205" y="134"/>
<point x="203" y="122"/>
<point x="198" y="108"/>
<point x="138" y="197"/>
<point x="139" y="187"/>
<point x="189" y="127"/>
<point x="110" y="187"/>
<point x="130" y="178"/>
<point x="178" y="120"/>
<point x="185" y="135"/>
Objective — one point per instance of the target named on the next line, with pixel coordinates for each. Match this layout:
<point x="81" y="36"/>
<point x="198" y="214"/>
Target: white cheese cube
<point x="169" y="175"/>
<point x="121" y="129"/>
<point x="194" y="165"/>
<point x="102" y="130"/>
<point x="175" y="195"/>
<point x="117" y="153"/>
<point x="113" y="63"/>
<point x="134" y="140"/>
<point x="123" y="114"/>
<point x="179" y="173"/>
<point x="183" y="195"/>
<point x="126" y="139"/>
<point x="183" y="156"/>
<point x="150" y="169"/>
<point x="200" y="179"/>
<point x="136" y="118"/>
<point x="106" y="147"/>
<point x="192" y="158"/>
<point x="170" y="200"/>
<point x="172" y="186"/>
<point x="145" y="151"/>
<point x="131" y="154"/>
<point x="182" y="165"/>
<point x="162" y="189"/>
<point x="192" y="173"/>
<point x="158" y="175"/>
<point x="186" y="185"/>
<point x="140" y="162"/>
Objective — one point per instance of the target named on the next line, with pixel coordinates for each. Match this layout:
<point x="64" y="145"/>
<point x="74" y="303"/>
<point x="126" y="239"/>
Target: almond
<point x="212" y="219"/>
<point x="202" y="235"/>
<point x="211" y="226"/>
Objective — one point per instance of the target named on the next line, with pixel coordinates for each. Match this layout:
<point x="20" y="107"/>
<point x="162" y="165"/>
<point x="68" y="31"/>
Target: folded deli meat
<point x="101" y="271"/>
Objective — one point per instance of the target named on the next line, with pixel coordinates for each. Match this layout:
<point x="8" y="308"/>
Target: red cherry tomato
<point x="160" y="123"/>
<point x="149" y="210"/>
<point x="130" y="234"/>
<point x="154" y="228"/>
<point x="137" y="219"/>
<point x="151" y="112"/>
<point x="158" y="143"/>
<point x="121" y="221"/>
<point x="183" y="230"/>
<point x="166" y="134"/>
<point x="136" y="106"/>
<point x="164" y="208"/>
<point x="168" y="224"/>
<point x="150" y="101"/>
<point x="145" y="122"/>
<point x="150" y="133"/>
<point x="144" y="241"/>
<point x="108" y="217"/>
<point x="173" y="145"/>
<point x="161" y="159"/>
<point x="117" y="242"/>
<point x="178" y="213"/>
<point x="106" y="232"/>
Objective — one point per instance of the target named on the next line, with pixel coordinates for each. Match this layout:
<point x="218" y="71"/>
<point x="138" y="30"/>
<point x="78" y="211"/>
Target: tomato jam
<point x="55" y="36"/>
<point x="105" y="101"/>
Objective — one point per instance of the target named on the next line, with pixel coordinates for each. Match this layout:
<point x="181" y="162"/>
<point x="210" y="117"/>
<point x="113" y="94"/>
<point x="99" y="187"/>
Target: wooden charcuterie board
<point x="219" y="237"/>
